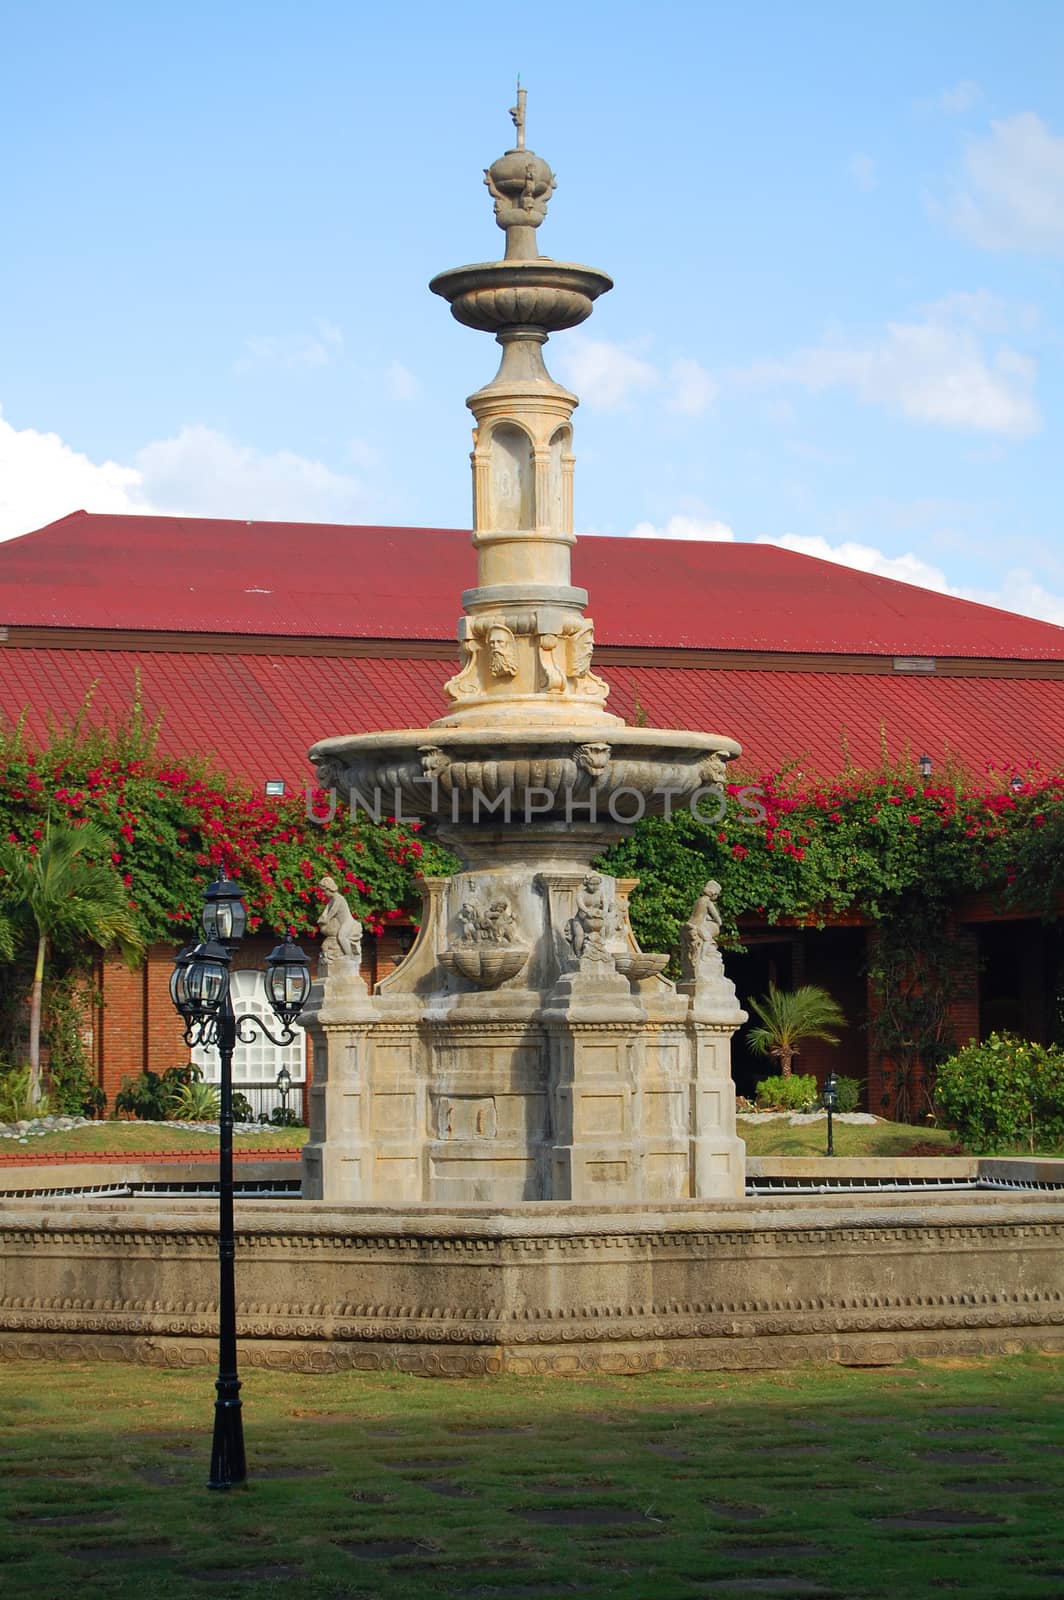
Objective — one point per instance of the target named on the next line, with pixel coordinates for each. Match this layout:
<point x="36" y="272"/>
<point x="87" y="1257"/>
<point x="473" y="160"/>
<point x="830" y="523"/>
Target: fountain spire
<point x="525" y="642"/>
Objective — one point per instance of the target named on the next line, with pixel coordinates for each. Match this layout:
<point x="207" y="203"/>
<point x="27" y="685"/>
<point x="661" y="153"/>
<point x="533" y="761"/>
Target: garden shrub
<point x="849" y="1092"/>
<point x="1005" y="1091"/>
<point x="283" y="1117"/>
<point x="149" y="1096"/>
<point x="243" y="1111"/>
<point x="787" y="1094"/>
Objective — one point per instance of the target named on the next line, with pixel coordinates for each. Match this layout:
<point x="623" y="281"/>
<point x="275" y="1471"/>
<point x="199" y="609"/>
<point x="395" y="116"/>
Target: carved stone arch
<point x="512" y="469"/>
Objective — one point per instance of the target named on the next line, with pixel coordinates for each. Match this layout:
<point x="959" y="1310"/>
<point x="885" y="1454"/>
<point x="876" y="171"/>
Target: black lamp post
<point x="829" y="1099"/>
<point x="926" y="766"/>
<point x="200" y="990"/>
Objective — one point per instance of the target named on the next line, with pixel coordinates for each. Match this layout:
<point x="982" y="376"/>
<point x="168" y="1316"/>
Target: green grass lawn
<point x="771" y="1137"/>
<point x="776" y="1137"/>
<point x="913" y="1481"/>
<point x="141" y="1137"/>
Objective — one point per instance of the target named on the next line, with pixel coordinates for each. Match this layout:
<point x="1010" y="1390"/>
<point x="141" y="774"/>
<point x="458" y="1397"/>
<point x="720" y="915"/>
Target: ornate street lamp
<point x="829" y="1099"/>
<point x="926" y="766"/>
<point x="200" y="990"/>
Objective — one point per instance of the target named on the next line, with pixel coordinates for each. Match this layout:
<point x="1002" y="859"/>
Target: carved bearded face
<point x="501" y="656"/>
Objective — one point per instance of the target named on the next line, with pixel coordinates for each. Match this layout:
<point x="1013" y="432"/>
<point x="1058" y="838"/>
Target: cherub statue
<point x="341" y="934"/>
<point x="587" y="929"/>
<point x="698" y="938"/>
<point x="500" y="923"/>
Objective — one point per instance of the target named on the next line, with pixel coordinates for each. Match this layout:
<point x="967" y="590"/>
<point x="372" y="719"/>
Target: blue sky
<point x="837" y="235"/>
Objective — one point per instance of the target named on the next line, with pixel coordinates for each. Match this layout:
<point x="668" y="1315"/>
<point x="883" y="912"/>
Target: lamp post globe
<point x="225" y="915"/>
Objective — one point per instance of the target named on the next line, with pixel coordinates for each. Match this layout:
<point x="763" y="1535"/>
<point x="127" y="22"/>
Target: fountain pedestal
<point x="526" y="1049"/>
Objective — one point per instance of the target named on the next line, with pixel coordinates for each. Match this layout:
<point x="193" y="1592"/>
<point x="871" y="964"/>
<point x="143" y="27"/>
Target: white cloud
<point x="199" y="472"/>
<point x="685" y="528"/>
<point x="1020" y="591"/>
<point x="691" y="388"/>
<point x="962" y="97"/>
<point x="862" y="169"/>
<point x="983" y="310"/>
<point x="605" y="374"/>
<point x="1013" y="194"/>
<point x="609" y="376"/>
<point x="932" y="372"/>
<point x="42" y="479"/>
<point x="907" y="568"/>
<point x="401" y="383"/>
<point x="287" y="352"/>
<point x="204" y="473"/>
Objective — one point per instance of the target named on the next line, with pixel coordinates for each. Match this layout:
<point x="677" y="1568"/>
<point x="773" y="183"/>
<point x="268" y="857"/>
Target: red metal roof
<point x="201" y="575"/>
<point x="257" y="714"/>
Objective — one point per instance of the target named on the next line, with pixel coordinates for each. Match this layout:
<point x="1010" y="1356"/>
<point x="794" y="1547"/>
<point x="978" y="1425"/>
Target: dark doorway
<point x="752" y="972"/>
<point x="1020" y="974"/>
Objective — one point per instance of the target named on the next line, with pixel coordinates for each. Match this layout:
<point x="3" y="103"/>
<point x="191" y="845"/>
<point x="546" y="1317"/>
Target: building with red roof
<point x="297" y="631"/>
<point x="253" y="639"/>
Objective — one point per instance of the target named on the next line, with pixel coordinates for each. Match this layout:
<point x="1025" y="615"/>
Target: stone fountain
<point x="523" y="1154"/>
<point x="526" y="1048"/>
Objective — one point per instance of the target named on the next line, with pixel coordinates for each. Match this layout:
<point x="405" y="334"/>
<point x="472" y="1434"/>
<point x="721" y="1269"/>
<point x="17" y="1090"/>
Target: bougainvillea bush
<point x="868" y="841"/>
<point x="170" y="826"/>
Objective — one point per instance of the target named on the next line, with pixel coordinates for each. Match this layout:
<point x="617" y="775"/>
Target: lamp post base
<point x="228" y="1464"/>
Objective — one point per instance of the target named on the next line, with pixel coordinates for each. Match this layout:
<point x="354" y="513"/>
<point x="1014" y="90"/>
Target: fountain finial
<point x="517" y="112"/>
<point x="521" y="183"/>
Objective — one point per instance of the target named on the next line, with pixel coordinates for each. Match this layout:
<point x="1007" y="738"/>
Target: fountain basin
<point x="524" y="774"/>
<point x="540" y="1288"/>
<point x="540" y="293"/>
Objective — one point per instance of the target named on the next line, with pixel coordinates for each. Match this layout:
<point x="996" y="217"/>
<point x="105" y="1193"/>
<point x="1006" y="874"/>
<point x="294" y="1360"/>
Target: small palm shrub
<point x="243" y="1110"/>
<point x="787" y="1017"/>
<point x="1005" y="1091"/>
<point x="17" y="1103"/>
<point x="787" y="1094"/>
<point x="195" y="1101"/>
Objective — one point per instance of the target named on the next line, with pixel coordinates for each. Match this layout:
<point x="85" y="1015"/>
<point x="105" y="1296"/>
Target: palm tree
<point x="67" y="892"/>
<point x="788" y="1018"/>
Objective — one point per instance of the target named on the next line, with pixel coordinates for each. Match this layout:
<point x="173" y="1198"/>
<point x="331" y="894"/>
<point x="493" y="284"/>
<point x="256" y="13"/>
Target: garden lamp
<point x="829" y="1099"/>
<point x="206" y="979"/>
<point x="926" y="766"/>
<point x="284" y="1084"/>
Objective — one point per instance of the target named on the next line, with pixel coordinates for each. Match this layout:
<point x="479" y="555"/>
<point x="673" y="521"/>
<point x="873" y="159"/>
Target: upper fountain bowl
<point x="534" y="293"/>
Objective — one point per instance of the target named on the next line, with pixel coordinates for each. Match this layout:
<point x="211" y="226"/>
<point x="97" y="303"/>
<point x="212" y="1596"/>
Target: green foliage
<point x="284" y="1117"/>
<point x="243" y="1110"/>
<point x="787" y="1094"/>
<point x="788" y="1018"/>
<point x="1005" y="1091"/>
<point x="849" y="1092"/>
<point x="68" y="998"/>
<point x="17" y="1102"/>
<point x="149" y="1095"/>
<point x="66" y="890"/>
<point x="194" y="1101"/>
